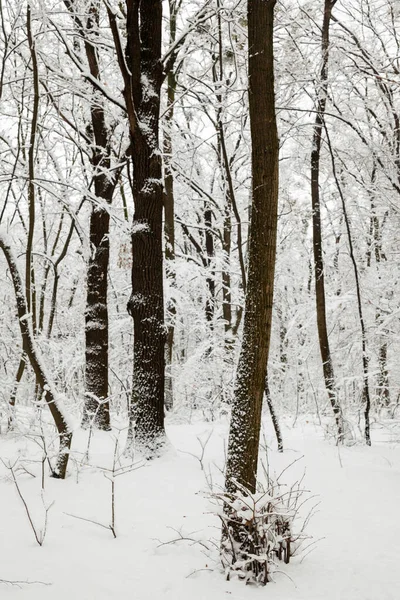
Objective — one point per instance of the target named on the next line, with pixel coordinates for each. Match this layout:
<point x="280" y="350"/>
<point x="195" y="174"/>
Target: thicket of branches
<point x="52" y="161"/>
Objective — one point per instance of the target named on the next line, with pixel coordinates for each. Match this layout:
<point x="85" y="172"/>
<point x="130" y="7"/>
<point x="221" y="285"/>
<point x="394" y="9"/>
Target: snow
<point x="6" y="246"/>
<point x="140" y="227"/>
<point x="357" y="524"/>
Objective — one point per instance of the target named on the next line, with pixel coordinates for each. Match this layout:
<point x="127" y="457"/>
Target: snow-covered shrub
<point x="259" y="529"/>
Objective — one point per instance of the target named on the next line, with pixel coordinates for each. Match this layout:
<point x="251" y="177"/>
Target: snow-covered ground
<point x="357" y="556"/>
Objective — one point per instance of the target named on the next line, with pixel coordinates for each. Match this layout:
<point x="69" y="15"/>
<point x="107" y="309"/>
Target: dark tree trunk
<point x="327" y="364"/>
<point x="250" y="378"/>
<point x="226" y="275"/>
<point x="274" y="417"/>
<point x="146" y="304"/>
<point x="30" y="289"/>
<point x="210" y="252"/>
<point x="218" y="78"/>
<point x="96" y="409"/>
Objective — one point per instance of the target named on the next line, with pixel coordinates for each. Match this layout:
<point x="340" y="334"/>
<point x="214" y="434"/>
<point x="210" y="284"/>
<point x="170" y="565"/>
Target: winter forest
<point x="199" y="299"/>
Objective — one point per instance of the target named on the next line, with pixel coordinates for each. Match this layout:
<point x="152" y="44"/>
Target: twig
<point x="39" y="537"/>
<point x="21" y="583"/>
<point x="197" y="571"/>
<point x="92" y="521"/>
<point x="183" y="538"/>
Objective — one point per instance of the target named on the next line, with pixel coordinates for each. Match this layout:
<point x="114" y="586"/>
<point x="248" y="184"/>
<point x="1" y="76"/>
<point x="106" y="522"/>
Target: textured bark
<point x="250" y="378"/>
<point x="96" y="408"/>
<point x="29" y="349"/>
<point x="327" y="364"/>
<point x="146" y="304"/>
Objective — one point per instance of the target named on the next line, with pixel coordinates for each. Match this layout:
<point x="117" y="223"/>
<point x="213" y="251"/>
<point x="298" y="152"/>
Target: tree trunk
<point x="169" y="212"/>
<point x="210" y="252"/>
<point x="375" y="243"/>
<point x="274" y="417"/>
<point x="327" y="364"/>
<point x="146" y="304"/>
<point x="14" y="391"/>
<point x="250" y="378"/>
<point x="30" y="289"/>
<point x="364" y="353"/>
<point x="96" y="409"/>
<point x="42" y="378"/>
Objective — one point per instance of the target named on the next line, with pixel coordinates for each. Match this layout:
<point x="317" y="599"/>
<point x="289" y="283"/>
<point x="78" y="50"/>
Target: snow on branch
<point x="58" y="412"/>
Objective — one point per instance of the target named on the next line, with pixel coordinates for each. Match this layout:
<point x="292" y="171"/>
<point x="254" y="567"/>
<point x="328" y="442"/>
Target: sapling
<point x="39" y="534"/>
<point x="111" y="474"/>
<point x="203" y="446"/>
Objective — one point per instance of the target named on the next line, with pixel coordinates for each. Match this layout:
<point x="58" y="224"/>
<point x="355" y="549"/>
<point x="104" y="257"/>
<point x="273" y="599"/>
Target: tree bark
<point x="142" y="71"/>
<point x="327" y="364"/>
<point x="250" y="378"/>
<point x="96" y="408"/>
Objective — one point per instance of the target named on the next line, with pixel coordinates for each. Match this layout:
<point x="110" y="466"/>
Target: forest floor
<point x="356" y="526"/>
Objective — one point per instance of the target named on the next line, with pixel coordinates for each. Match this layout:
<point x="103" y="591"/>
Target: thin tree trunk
<point x="29" y="272"/>
<point x="169" y="212"/>
<point x="14" y="391"/>
<point x="230" y="204"/>
<point x="42" y="378"/>
<point x="274" y="417"/>
<point x="218" y="78"/>
<point x="375" y="243"/>
<point x="250" y="378"/>
<point x="327" y="364"/>
<point x="210" y="252"/>
<point x="364" y="353"/>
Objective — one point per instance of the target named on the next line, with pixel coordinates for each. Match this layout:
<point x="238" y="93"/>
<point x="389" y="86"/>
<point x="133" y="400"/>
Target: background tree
<point x="97" y="408"/>
<point x="326" y="356"/>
